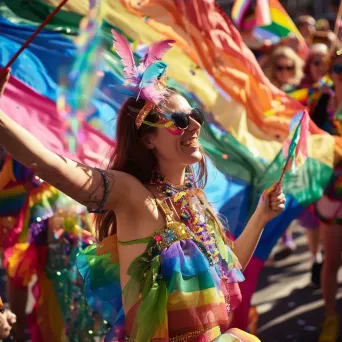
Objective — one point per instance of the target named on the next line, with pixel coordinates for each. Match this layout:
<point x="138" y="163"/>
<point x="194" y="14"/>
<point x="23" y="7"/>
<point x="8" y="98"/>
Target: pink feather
<point x="125" y="53"/>
<point x="157" y="51"/>
<point x="151" y="93"/>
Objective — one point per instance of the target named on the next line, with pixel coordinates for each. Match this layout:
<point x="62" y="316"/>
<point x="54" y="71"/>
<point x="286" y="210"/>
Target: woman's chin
<point x="193" y="156"/>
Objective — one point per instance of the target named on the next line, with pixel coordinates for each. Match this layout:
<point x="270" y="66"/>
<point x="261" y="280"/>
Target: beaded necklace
<point x="193" y="214"/>
<point x="192" y="211"/>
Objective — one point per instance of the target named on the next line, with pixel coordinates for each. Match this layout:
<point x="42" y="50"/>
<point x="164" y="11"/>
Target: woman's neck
<point x="173" y="173"/>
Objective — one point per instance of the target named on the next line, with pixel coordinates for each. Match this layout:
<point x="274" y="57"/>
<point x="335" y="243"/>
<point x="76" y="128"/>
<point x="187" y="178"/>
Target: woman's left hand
<point x="271" y="203"/>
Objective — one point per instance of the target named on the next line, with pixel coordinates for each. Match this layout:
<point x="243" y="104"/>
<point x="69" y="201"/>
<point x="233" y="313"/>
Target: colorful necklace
<point x="193" y="214"/>
<point x="192" y="210"/>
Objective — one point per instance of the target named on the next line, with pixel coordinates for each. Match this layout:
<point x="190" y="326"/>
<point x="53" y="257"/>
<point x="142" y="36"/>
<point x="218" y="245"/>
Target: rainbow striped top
<point x="174" y="292"/>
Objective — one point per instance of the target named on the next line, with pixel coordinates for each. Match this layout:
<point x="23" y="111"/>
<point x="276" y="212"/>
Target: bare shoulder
<point x="125" y="191"/>
<point x="136" y="212"/>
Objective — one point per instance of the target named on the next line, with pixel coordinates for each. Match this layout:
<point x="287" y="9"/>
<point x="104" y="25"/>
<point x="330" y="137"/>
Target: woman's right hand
<point x="4" y="77"/>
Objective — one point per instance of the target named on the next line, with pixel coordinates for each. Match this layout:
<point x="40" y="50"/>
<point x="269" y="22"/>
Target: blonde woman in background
<point x="285" y="68"/>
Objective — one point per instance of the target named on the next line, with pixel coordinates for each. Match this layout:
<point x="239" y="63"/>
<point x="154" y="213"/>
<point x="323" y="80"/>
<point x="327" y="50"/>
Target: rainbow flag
<point x="280" y="27"/>
<point x="296" y="149"/>
<point x="239" y="10"/>
<point x="247" y="21"/>
<point x="269" y="20"/>
<point x="262" y="13"/>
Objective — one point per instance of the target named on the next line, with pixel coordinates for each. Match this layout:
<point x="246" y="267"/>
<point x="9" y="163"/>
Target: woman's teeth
<point x="193" y="142"/>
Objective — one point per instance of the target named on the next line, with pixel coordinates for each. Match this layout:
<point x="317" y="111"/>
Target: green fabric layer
<point x="201" y="282"/>
<point x="99" y="264"/>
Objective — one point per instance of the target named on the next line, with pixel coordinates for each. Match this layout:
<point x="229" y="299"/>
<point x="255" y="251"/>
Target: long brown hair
<point x="133" y="157"/>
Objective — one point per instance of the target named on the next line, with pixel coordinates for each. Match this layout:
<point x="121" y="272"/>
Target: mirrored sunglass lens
<point x="197" y="115"/>
<point x="181" y="120"/>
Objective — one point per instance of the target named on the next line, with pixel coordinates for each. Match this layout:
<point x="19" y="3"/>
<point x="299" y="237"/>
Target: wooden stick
<point x="284" y="170"/>
<point x="35" y="33"/>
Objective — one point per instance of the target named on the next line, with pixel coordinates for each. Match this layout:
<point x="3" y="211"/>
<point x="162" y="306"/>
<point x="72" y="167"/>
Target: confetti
<point x="78" y="81"/>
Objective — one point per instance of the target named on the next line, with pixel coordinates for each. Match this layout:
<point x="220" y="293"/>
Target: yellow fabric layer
<point x="18" y="189"/>
<point x="178" y="300"/>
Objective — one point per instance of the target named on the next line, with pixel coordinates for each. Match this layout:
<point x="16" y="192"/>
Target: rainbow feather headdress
<point x="147" y="80"/>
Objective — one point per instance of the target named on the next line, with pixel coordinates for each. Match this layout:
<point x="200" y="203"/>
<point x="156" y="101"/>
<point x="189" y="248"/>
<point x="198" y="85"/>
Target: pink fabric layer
<point x="247" y="287"/>
<point x="39" y="116"/>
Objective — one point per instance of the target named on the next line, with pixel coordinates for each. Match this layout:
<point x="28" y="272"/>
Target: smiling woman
<point x="164" y="269"/>
<point x="285" y="68"/>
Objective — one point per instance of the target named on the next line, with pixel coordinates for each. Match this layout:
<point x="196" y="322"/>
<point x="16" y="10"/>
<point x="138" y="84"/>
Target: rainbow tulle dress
<point x="175" y="291"/>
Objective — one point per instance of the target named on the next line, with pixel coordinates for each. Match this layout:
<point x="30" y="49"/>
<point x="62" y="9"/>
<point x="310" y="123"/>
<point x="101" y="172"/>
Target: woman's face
<point x="318" y="66"/>
<point x="307" y="29"/>
<point x="182" y="148"/>
<point x="284" y="70"/>
<point x="336" y="71"/>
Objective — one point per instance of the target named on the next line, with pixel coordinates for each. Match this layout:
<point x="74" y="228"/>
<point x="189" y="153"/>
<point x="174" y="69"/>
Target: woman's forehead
<point x="177" y="102"/>
<point x="284" y="58"/>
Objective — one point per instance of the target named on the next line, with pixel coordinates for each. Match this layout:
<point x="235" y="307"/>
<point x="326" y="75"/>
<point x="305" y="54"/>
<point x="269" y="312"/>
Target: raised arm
<point x="84" y="184"/>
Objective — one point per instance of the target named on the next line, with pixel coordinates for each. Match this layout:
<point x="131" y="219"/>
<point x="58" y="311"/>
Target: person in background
<point x="307" y="27"/>
<point x="322" y="25"/>
<point x="285" y="69"/>
<point x="316" y="67"/>
<point x="327" y="115"/>
<point x="328" y="38"/>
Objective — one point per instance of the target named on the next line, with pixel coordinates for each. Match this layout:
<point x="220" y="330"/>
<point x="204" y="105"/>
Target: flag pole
<point x="35" y="33"/>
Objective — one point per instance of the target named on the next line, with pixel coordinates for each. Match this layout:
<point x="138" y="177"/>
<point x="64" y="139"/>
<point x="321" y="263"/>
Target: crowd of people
<point x="178" y="251"/>
<point x="321" y="75"/>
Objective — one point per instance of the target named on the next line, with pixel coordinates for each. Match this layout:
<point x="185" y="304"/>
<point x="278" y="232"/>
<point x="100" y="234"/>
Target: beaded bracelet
<point x="100" y="209"/>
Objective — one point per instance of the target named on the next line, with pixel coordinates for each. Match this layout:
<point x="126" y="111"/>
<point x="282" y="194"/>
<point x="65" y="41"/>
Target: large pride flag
<point x="248" y="118"/>
<point x="268" y="20"/>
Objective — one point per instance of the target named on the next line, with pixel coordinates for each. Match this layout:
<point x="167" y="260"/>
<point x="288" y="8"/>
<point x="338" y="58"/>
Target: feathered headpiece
<point x="147" y="80"/>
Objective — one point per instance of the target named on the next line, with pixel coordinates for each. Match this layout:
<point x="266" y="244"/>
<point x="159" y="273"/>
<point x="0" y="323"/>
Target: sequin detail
<point x="174" y="231"/>
<point x="200" y="335"/>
